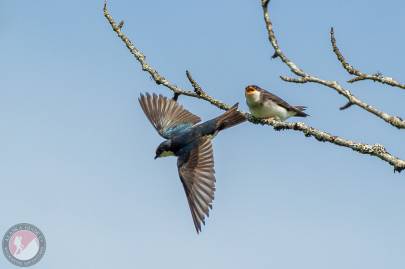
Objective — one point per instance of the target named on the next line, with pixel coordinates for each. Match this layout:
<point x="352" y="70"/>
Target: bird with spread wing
<point x="191" y="143"/>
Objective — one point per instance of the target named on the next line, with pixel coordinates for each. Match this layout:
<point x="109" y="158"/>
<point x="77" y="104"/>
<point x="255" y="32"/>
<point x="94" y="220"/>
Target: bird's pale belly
<point x="270" y="110"/>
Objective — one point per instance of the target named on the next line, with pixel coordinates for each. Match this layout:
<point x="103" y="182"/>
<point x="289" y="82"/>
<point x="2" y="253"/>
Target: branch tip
<point x="197" y="88"/>
<point x="378" y="77"/>
<point x="121" y="24"/>
<point x="377" y="151"/>
<point x="306" y="77"/>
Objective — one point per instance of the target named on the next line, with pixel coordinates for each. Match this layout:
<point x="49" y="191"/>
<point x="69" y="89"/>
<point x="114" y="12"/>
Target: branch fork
<point x="375" y="150"/>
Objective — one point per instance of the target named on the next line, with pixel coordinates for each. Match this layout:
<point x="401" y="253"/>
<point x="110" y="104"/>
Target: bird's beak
<point x="250" y="90"/>
<point x="156" y="157"/>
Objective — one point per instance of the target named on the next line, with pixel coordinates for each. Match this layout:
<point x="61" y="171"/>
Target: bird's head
<point x="164" y="150"/>
<point x="252" y="93"/>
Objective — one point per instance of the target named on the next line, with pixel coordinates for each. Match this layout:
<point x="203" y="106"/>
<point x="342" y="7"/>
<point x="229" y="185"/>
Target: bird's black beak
<point x="156" y="157"/>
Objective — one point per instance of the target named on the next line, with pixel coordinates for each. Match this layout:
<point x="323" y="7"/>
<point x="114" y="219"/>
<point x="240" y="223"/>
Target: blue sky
<point x="77" y="151"/>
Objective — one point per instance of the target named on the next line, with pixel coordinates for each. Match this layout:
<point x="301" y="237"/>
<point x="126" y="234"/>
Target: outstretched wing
<point x="166" y="115"/>
<point x="196" y="170"/>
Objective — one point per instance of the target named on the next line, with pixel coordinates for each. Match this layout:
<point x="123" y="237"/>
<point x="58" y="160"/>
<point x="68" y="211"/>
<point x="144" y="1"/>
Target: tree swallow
<point x="191" y="143"/>
<point x="264" y="105"/>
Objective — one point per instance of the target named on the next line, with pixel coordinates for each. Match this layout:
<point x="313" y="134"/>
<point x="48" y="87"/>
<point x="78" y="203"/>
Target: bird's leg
<point x="176" y="96"/>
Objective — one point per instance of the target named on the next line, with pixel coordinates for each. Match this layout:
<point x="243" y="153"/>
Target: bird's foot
<point x="273" y="118"/>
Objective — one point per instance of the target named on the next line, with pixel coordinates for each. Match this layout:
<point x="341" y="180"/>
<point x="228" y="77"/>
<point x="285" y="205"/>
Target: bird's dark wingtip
<point x="300" y="111"/>
<point x="236" y="105"/>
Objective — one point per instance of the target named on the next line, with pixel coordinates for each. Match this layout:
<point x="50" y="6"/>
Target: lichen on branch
<point x="374" y="150"/>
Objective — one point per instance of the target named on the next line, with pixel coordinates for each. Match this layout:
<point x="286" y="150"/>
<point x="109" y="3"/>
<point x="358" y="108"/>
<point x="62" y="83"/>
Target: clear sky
<point x="76" y="151"/>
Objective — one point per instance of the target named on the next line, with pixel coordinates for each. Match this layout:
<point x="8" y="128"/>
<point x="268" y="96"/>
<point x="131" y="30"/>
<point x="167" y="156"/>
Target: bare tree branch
<point x="374" y="150"/>
<point x="294" y="80"/>
<point x="305" y="77"/>
<point x="159" y="79"/>
<point x="377" y="77"/>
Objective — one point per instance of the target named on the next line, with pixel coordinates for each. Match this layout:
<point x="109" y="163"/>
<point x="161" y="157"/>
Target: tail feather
<point x="230" y="118"/>
<point x="299" y="110"/>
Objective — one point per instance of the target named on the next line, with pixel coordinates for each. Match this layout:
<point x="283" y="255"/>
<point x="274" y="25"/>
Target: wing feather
<point x="197" y="175"/>
<point x="281" y="102"/>
<point x="166" y="115"/>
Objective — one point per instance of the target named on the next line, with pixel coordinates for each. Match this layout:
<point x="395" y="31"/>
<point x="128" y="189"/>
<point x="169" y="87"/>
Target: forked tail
<point x="300" y="111"/>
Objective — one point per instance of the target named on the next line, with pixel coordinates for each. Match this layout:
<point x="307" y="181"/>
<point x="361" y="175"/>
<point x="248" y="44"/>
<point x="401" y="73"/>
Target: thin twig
<point x="373" y="150"/>
<point x="305" y="77"/>
<point x="140" y="57"/>
<point x="377" y="77"/>
<point x="298" y="80"/>
<point x="197" y="88"/>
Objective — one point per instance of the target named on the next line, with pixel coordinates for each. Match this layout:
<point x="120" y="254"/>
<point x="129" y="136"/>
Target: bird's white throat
<point x="253" y="98"/>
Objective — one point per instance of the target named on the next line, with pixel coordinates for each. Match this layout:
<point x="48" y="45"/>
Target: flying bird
<point x="264" y="105"/>
<point x="191" y="143"/>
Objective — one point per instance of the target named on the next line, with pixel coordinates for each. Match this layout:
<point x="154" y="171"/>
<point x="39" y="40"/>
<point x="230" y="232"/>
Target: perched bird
<point x="265" y="105"/>
<point x="191" y="143"/>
